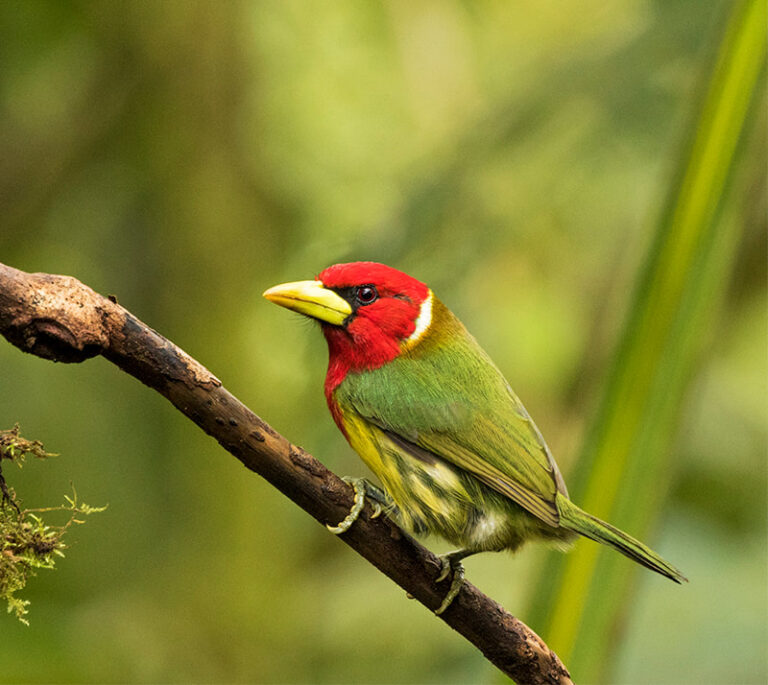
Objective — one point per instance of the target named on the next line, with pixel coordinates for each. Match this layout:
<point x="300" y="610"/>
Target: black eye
<point x="366" y="294"/>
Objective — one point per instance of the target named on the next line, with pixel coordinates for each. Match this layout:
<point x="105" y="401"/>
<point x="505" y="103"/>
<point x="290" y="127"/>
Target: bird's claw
<point x="362" y="489"/>
<point x="445" y="569"/>
<point x="359" y="485"/>
<point x="450" y="563"/>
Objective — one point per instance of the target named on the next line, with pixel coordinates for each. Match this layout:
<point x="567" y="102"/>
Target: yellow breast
<point x="428" y="495"/>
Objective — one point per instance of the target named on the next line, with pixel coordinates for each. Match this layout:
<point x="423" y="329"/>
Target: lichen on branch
<point x="16" y="448"/>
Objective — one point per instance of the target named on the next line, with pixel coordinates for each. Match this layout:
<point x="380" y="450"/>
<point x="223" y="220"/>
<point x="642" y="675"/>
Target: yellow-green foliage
<point x="27" y="542"/>
<point x="630" y="454"/>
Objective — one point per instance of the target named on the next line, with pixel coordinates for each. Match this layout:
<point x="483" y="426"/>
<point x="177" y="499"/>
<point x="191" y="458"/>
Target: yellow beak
<point x="311" y="298"/>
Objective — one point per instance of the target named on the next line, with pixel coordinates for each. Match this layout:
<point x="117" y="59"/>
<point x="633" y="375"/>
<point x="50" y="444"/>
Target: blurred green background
<point x="184" y="156"/>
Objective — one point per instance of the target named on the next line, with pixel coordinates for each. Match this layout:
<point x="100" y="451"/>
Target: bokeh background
<point x="184" y="156"/>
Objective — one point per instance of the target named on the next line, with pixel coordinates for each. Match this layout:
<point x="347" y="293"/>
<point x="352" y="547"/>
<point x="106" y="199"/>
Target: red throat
<point x="345" y="355"/>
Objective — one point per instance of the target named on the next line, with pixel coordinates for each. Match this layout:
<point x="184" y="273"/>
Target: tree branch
<point x="59" y="318"/>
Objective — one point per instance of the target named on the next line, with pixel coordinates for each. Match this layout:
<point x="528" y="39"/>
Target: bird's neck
<point x="348" y="353"/>
<point x="353" y="354"/>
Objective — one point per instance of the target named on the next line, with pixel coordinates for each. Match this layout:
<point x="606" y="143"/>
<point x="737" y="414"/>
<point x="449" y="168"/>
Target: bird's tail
<point x="579" y="521"/>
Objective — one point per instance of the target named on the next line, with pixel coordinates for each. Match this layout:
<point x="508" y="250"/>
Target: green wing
<point x="451" y="400"/>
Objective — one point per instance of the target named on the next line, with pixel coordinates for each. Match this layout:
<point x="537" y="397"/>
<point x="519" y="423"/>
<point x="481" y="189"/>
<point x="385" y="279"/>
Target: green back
<point x="446" y="395"/>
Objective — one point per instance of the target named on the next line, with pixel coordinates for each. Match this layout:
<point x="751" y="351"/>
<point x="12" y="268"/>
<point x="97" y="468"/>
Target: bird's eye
<point x="366" y="294"/>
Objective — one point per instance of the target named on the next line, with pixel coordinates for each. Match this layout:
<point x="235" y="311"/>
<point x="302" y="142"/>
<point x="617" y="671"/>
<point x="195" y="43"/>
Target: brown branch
<point x="59" y="318"/>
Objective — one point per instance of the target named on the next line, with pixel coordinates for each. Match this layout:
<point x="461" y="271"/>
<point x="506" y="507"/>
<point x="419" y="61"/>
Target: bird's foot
<point x="363" y="488"/>
<point x="451" y="563"/>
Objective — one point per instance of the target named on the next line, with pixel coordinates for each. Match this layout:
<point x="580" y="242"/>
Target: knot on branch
<point x="53" y="317"/>
<point x="50" y="340"/>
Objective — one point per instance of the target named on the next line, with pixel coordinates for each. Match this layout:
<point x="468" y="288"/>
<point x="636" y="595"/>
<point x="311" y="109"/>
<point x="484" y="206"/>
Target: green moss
<point x="27" y="542"/>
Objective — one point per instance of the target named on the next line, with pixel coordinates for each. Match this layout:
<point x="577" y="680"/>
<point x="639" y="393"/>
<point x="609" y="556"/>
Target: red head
<point x="369" y="313"/>
<point x="385" y="305"/>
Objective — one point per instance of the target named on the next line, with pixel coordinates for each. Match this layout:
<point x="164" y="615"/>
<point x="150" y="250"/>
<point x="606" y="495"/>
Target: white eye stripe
<point x="422" y="322"/>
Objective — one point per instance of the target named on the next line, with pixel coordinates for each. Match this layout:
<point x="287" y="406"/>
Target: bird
<point x="435" y="420"/>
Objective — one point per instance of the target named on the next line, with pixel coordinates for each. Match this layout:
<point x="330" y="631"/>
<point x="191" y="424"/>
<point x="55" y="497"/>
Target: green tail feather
<point x="579" y="521"/>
